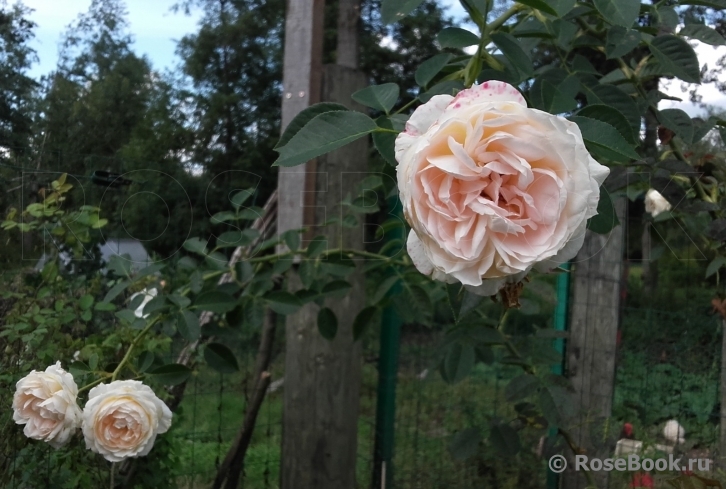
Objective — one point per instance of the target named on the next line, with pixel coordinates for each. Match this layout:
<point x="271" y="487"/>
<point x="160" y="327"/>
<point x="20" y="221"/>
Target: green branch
<point x="133" y="344"/>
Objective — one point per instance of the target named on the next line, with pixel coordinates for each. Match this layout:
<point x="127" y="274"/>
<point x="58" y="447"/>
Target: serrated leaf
<point x="457" y="38"/>
<point x="715" y="265"/>
<point x="317" y="246"/>
<point x="195" y="245"/>
<point x="325" y="133"/>
<point x="448" y="87"/>
<point x="170" y="374"/>
<point x="283" y="302"/>
<point x="187" y="323"/>
<point x="611" y="116"/>
<point x="220" y="358"/>
<point x="384" y="288"/>
<point x="504" y="440"/>
<point x="520" y="387"/>
<point x="465" y="444"/>
<point x="215" y="301"/>
<point x="513" y="51"/>
<point x="703" y="33"/>
<point x="605" y="140"/>
<point x="305" y="116"/>
<point x="380" y="97"/>
<point x="539" y="5"/>
<point x="612" y="96"/>
<point x="292" y="239"/>
<point x="327" y="323"/>
<point x="620" y="41"/>
<point x="606" y="218"/>
<point x="241" y="197"/>
<point x="677" y="121"/>
<point x="144" y="361"/>
<point x="395" y="10"/>
<point x="430" y="68"/>
<point x="459" y="360"/>
<point x="336" y="289"/>
<point x="555" y="404"/>
<point x="363" y="320"/>
<point x="676" y="57"/>
<point x="619" y="12"/>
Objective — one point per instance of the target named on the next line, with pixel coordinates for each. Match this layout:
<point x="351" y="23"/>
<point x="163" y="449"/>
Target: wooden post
<point x="592" y="343"/>
<point x="322" y="377"/>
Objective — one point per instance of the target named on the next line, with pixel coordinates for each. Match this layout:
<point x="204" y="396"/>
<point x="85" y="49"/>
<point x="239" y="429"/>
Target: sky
<point x="155" y="29"/>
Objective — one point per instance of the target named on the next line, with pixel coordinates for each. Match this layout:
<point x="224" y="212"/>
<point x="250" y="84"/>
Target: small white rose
<point x="45" y="402"/>
<point x="123" y="418"/>
<point x="492" y="188"/>
<point x="655" y="203"/>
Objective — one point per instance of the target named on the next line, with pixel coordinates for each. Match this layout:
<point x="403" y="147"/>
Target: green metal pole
<point x="560" y="324"/>
<point x="387" y="374"/>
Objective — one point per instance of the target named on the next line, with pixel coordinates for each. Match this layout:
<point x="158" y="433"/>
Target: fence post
<point x="386" y="401"/>
<point x="560" y="324"/>
<point x="722" y="424"/>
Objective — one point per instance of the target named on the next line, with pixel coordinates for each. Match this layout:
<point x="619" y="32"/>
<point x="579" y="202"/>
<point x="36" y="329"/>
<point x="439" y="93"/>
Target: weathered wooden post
<point x="722" y="439"/>
<point x="322" y="377"/>
<point x="591" y="347"/>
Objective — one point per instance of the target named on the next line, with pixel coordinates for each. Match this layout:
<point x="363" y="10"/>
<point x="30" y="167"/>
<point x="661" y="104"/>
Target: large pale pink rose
<point x="492" y="188"/>
<point x="45" y="402"/>
<point x="122" y="419"/>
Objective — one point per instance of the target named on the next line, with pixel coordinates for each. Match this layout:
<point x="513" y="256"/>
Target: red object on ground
<point x="642" y="479"/>
<point x="627" y="431"/>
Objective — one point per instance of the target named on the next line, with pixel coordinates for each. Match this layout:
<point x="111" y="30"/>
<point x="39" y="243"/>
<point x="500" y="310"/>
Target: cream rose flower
<point x="122" y="419"/>
<point x="655" y="203"/>
<point x="492" y="188"/>
<point x="45" y="402"/>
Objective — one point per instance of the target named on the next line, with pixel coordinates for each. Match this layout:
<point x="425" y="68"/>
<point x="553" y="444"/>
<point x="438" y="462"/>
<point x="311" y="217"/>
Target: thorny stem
<point x="94" y="383"/>
<point x="132" y="346"/>
<point x="363" y="254"/>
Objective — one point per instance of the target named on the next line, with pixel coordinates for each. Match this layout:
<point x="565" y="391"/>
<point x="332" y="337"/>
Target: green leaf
<point x="395" y="10"/>
<point x="465" y="444"/>
<point x="104" y="306"/>
<point x="283" y="302"/>
<point x="85" y="302"/>
<point x="337" y="289"/>
<point x="520" y="387"/>
<point x="611" y="116"/>
<point x="677" y="121"/>
<point x="292" y="239"/>
<point x="385" y="142"/>
<point x="126" y="315"/>
<point x="79" y="368"/>
<point x="144" y="361"/>
<point x="187" y="323"/>
<point x="554" y="100"/>
<point x="327" y="323"/>
<point x="325" y="133"/>
<point x="676" y="57"/>
<point x="384" y="288"/>
<point x="504" y="440"/>
<point x="612" y="96"/>
<point x="703" y="33"/>
<point x="606" y="218"/>
<point x="459" y="360"/>
<point x="120" y="265"/>
<point x="380" y="97"/>
<point x="715" y="265"/>
<point x="220" y="358"/>
<point x="430" y="68"/>
<point x="215" y="301"/>
<point x="621" y="41"/>
<point x="701" y="128"/>
<point x="448" y="87"/>
<point x="195" y="245"/>
<point x="513" y="51"/>
<point x="305" y="116"/>
<point x="562" y="7"/>
<point x="605" y="140"/>
<point x="170" y="374"/>
<point x="457" y="38"/>
<point x="317" y="246"/>
<point x="717" y="4"/>
<point x="241" y="197"/>
<point x="619" y="12"/>
<point x="539" y="5"/>
<point x="363" y="320"/>
<point x="555" y="404"/>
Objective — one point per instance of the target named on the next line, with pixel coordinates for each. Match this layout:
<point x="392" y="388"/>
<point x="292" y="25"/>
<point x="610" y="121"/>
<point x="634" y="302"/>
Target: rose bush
<point x="492" y="188"/>
<point x="123" y="418"/>
<point x="45" y="402"/>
